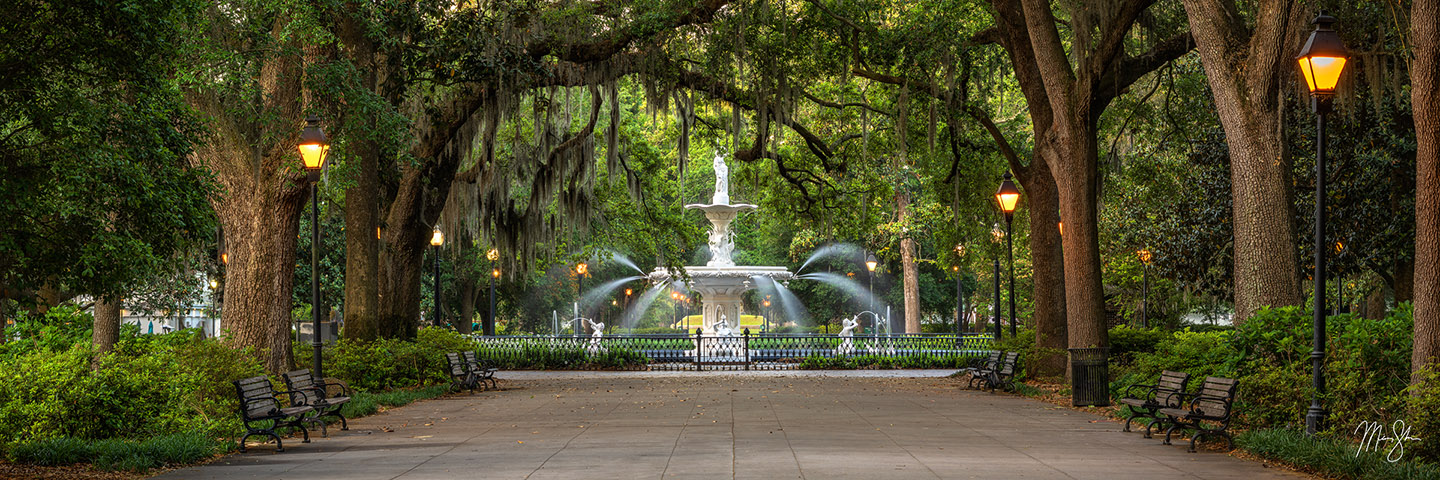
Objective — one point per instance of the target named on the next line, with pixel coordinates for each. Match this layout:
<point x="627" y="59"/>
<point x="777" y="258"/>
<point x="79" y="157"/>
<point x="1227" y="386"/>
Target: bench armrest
<point x="1143" y="390"/>
<point x="344" y="389"/>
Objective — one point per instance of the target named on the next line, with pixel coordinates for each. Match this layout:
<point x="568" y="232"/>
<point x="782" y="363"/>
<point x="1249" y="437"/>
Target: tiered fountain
<point x="720" y="282"/>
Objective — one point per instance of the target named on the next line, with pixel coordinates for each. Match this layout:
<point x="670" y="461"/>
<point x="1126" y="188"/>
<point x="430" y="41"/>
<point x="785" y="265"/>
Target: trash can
<point x="1089" y="377"/>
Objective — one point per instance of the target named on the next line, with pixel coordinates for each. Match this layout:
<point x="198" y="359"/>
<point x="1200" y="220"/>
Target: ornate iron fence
<point x="740" y="352"/>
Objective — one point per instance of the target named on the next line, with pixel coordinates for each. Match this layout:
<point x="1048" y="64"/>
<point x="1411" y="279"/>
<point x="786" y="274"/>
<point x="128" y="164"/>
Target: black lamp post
<point x="436" y="240"/>
<point x="489" y="328"/>
<point x="1009" y="197"/>
<point x="1321" y="62"/>
<point x="1144" y="255"/>
<point x="870" y="265"/>
<point x="314" y="147"/>
<point x="580" y="270"/>
<point x="766" y="304"/>
<point x="959" y="290"/>
<point x="995" y="310"/>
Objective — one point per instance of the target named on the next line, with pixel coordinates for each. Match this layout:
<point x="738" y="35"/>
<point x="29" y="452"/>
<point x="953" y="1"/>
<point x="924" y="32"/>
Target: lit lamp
<point x="489" y="327"/>
<point x="1144" y="255"/>
<point x="437" y="239"/>
<point x="1009" y="197"/>
<point x="314" y="147"/>
<point x="870" y="265"/>
<point x="1322" y="60"/>
<point x="580" y="270"/>
<point x="959" y="292"/>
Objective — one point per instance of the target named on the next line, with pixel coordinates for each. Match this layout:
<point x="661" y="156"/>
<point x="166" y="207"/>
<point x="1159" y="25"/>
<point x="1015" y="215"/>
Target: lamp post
<point x="314" y="147"/>
<point x="995" y="309"/>
<point x="1321" y="62"/>
<point x="959" y="290"/>
<point x="580" y="270"/>
<point x="766" y="303"/>
<point x="1009" y="197"/>
<point x="624" y="311"/>
<point x="489" y="328"/>
<point x="1144" y="255"/>
<point x="436" y="240"/>
<point x="870" y="265"/>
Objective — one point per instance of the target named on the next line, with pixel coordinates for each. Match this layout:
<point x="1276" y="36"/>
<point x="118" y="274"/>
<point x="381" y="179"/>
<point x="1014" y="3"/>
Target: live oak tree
<point x="97" y="193"/>
<point x="1425" y="98"/>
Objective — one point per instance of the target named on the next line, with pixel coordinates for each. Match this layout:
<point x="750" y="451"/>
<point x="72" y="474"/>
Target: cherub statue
<point x="597" y="331"/>
<point x="847" y="332"/>
<point x="722" y="327"/>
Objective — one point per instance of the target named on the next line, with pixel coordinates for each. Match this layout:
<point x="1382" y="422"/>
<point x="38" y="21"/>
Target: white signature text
<point x="1374" y="438"/>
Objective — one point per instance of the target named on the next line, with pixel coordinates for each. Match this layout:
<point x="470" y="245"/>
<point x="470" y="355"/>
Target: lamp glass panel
<point x="437" y="238"/>
<point x="313" y="155"/>
<point x="1007" y="201"/>
<point x="1322" y="73"/>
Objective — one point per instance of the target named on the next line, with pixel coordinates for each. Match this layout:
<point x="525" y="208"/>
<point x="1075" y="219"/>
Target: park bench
<point x="1212" y="404"/>
<point x="1000" y="377"/>
<point x="314" y="394"/>
<point x="484" y="372"/>
<point x="1145" y="401"/>
<point x="461" y="377"/>
<point x="260" y="403"/>
<point x="979" y="367"/>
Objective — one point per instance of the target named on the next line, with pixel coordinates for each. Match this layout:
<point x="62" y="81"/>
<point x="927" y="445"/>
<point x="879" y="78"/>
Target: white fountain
<point x="720" y="282"/>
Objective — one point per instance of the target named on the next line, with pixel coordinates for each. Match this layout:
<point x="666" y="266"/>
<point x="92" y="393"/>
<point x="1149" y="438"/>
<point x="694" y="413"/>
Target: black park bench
<point x="262" y="414"/>
<point x="991" y="362"/>
<point x="1002" y="376"/>
<point x="1212" y="405"/>
<point x="484" y="372"/>
<point x="314" y="394"/>
<point x="1145" y="401"/>
<point x="461" y="377"/>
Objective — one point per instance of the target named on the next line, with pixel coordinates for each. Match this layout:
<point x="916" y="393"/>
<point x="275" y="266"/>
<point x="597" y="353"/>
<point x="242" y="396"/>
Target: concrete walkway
<point x="867" y="425"/>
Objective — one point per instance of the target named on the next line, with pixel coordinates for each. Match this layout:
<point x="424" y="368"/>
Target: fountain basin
<point x="722" y="288"/>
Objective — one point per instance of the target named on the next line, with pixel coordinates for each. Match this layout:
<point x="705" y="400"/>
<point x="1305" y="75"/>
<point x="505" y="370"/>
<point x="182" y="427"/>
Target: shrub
<point x="390" y="363"/>
<point x="1126" y="341"/>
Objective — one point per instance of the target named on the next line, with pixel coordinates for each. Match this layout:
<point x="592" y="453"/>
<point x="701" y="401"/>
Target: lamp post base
<point x="1314" y="419"/>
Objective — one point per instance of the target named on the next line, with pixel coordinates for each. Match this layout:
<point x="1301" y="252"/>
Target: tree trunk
<point x="1375" y="304"/>
<point x="1246" y="79"/>
<point x="907" y="267"/>
<point x="468" y="290"/>
<point x="362" y="199"/>
<point x="260" y="236"/>
<point x="1047" y="271"/>
<point x="1425" y="101"/>
<point x="107" y="327"/>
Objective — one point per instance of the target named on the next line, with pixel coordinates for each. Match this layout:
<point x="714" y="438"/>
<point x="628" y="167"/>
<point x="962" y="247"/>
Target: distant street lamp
<point x="870" y="265"/>
<point x="766" y="303"/>
<point x="1009" y="197"/>
<point x="489" y="328"/>
<point x="1144" y="255"/>
<point x="314" y="147"/>
<point x="580" y="270"/>
<point x="959" y="289"/>
<point x="436" y="240"/>
<point x="995" y="307"/>
<point x="1322" y="60"/>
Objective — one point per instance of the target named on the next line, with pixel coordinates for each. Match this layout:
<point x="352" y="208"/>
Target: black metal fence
<point x="739" y="352"/>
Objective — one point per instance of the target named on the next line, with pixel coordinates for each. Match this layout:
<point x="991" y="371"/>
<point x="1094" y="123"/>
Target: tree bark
<point x="362" y="199"/>
<point x="1245" y="69"/>
<point x="467" y="305"/>
<point x="107" y="327"/>
<point x="907" y="267"/>
<point x="1425" y="102"/>
<point x="1047" y="271"/>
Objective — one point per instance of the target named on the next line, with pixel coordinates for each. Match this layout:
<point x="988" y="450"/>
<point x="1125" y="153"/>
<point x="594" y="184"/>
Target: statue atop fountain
<point x="722" y="182"/>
